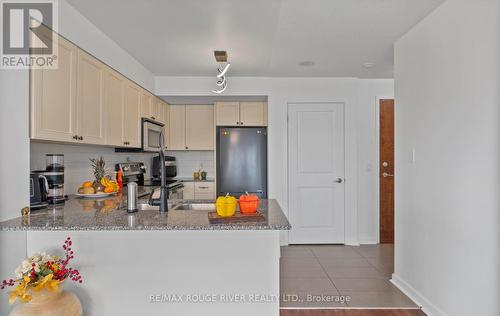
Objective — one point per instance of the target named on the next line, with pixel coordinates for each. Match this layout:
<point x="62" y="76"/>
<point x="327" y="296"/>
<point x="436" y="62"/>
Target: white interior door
<point x="316" y="172"/>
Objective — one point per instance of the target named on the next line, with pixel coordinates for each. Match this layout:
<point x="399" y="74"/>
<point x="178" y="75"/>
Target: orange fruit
<point x="87" y="184"/>
<point x="109" y="190"/>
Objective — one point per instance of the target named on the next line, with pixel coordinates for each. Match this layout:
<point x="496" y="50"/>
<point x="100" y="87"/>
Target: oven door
<point x="151" y="135"/>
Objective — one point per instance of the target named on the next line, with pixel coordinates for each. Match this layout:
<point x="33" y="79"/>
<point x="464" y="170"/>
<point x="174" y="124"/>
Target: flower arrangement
<point x="41" y="271"/>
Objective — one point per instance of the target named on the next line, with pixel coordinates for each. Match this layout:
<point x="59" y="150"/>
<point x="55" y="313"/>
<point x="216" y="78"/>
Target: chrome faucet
<point x="163" y="200"/>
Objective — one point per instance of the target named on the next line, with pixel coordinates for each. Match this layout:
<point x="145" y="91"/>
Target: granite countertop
<point x="109" y="214"/>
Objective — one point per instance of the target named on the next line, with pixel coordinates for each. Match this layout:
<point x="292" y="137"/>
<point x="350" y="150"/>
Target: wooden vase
<point x="46" y="303"/>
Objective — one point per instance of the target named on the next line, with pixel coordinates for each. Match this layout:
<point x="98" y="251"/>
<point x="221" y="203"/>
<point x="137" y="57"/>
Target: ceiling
<point x="262" y="37"/>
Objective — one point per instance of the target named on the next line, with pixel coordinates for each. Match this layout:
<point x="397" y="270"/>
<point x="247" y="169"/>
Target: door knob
<point x="385" y="164"/>
<point x="385" y="175"/>
<point x="338" y="180"/>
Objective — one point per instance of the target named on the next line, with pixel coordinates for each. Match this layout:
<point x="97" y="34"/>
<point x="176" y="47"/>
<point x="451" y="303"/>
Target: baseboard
<point x="368" y="241"/>
<point x="427" y="307"/>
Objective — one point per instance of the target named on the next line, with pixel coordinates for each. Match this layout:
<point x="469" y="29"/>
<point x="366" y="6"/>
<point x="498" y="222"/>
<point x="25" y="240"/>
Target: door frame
<point x="377" y="162"/>
<point x="350" y="163"/>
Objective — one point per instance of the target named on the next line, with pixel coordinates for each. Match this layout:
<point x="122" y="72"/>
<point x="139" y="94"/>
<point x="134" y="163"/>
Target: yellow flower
<point x="12" y="297"/>
<point x="55" y="266"/>
<point x="19" y="292"/>
<point x="47" y="283"/>
<point x="27" y="279"/>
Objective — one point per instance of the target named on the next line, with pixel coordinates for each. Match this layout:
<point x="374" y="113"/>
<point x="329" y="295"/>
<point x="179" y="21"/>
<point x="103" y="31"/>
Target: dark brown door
<point x="386" y="171"/>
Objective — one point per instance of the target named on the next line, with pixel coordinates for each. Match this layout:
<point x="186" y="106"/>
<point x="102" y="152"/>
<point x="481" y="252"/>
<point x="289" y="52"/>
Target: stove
<point x="135" y="171"/>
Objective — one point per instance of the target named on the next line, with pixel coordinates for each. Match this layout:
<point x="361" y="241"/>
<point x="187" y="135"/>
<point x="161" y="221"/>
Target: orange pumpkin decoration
<point x="249" y="203"/>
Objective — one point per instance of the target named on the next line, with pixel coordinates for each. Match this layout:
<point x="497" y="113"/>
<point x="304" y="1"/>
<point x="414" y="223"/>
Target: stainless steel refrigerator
<point x="242" y="161"/>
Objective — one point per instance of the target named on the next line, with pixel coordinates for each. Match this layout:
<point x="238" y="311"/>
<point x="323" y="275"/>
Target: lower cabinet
<point x="199" y="190"/>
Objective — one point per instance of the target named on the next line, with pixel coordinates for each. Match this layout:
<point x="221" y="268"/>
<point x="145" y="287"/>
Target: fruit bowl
<point x="95" y="195"/>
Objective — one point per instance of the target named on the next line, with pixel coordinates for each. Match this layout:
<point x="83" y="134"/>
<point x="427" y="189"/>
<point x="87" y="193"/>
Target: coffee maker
<point x="39" y="188"/>
<point x="54" y="172"/>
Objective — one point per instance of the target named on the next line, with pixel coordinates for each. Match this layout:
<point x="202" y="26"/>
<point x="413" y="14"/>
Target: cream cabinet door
<point x="253" y="114"/>
<point x="188" y="190"/>
<point x="166" y="121"/>
<point x="146" y="100"/>
<point x="155" y="109"/>
<point x="114" y="96"/>
<point x="227" y="113"/>
<point x="200" y="129"/>
<point x="204" y="190"/>
<point x="90" y="99"/>
<point x="53" y="98"/>
<point x="161" y="110"/>
<point x="177" y="128"/>
<point x="131" y="119"/>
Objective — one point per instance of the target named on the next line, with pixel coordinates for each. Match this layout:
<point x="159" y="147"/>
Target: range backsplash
<point x="190" y="161"/>
<point x="77" y="164"/>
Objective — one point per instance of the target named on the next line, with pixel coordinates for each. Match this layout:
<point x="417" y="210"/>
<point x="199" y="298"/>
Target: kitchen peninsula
<point x="151" y="263"/>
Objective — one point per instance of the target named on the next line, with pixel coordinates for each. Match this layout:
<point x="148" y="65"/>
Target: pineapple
<point x="99" y="170"/>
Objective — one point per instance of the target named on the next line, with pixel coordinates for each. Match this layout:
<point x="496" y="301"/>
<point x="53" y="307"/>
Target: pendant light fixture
<point x="221" y="58"/>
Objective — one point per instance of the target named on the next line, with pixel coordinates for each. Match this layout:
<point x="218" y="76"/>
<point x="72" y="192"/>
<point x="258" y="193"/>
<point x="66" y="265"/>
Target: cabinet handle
<point x="75" y="137"/>
<point x="80" y="138"/>
<point x="241" y="123"/>
<point x="187" y="147"/>
<point x="152" y="117"/>
<point x="203" y="187"/>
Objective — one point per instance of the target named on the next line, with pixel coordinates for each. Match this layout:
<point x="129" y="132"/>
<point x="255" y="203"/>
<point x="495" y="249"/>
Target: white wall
<point x="75" y="27"/>
<point x="447" y="201"/>
<point x="360" y="96"/>
<point x="14" y="169"/>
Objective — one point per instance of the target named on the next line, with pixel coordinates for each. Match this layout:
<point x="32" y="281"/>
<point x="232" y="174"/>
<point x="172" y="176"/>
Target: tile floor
<point x="323" y="276"/>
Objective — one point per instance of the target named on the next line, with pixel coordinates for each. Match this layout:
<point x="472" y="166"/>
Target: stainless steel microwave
<point x="151" y="135"/>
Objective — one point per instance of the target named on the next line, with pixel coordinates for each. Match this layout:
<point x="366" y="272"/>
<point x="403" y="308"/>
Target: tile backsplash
<point x="76" y="160"/>
<point x="77" y="164"/>
<point x="191" y="161"/>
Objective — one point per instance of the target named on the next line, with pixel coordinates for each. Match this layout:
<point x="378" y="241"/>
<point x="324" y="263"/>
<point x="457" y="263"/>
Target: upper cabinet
<point x="114" y="97"/>
<point x="191" y="127"/>
<point x="146" y="101"/>
<point x="253" y="113"/>
<point x="227" y="113"/>
<point x="90" y="99"/>
<point x="200" y="129"/>
<point x="131" y="115"/>
<point x="53" y="98"/>
<point x="85" y="101"/>
<point x="177" y="127"/>
<point x="241" y="113"/>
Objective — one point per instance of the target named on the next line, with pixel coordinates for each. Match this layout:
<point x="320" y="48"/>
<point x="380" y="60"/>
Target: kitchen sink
<point x="194" y="207"/>
<point x="144" y="206"/>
